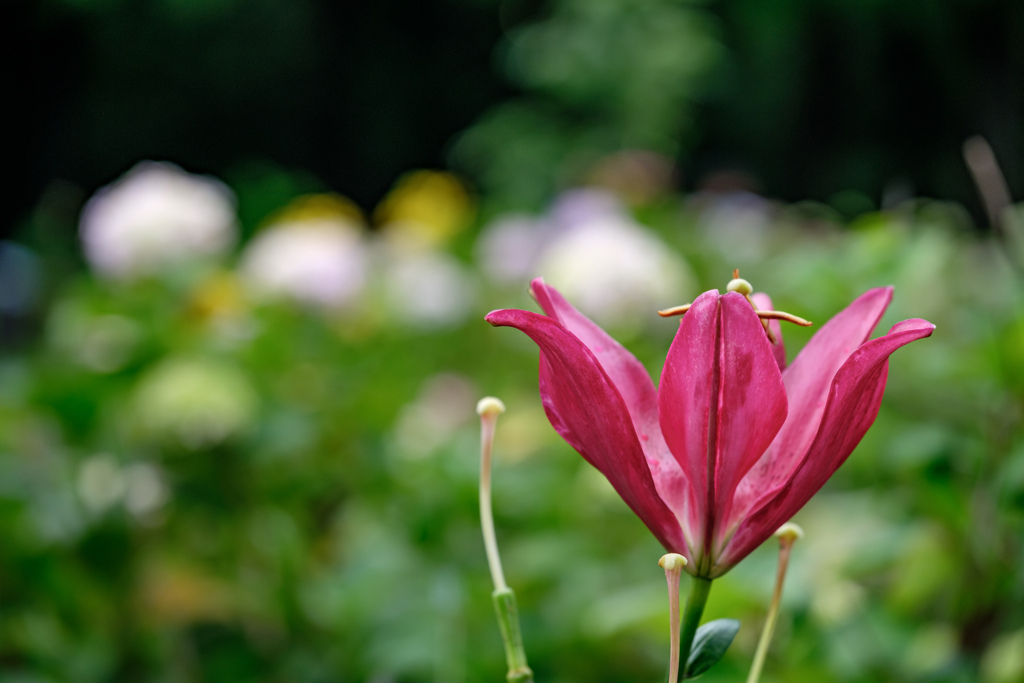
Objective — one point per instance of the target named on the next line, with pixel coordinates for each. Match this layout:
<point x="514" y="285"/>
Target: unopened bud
<point x="789" y="532"/>
<point x="490" y="406"/>
<point x="672" y="562"/>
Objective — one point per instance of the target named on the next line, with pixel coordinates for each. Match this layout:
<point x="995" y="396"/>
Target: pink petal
<point x="635" y="386"/>
<point x="853" y="402"/>
<point x="721" y="400"/>
<point x="764" y="303"/>
<point x="628" y="374"/>
<point x="808" y="380"/>
<point x="588" y="412"/>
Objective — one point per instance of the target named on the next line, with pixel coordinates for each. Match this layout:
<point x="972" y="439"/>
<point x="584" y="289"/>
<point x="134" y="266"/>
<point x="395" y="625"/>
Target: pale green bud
<point x="789" y="532"/>
<point x="672" y="562"/>
<point x="739" y="285"/>
<point x="490" y="406"/>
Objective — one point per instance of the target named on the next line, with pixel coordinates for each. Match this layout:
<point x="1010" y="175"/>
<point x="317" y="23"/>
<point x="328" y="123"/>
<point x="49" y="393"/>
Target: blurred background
<point x="246" y="252"/>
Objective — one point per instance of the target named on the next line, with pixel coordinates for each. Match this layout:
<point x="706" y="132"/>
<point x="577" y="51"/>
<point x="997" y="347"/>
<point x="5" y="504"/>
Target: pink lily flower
<point x="733" y="443"/>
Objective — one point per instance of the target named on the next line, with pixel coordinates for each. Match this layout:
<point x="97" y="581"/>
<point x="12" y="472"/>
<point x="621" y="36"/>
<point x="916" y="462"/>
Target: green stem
<point x="508" y="621"/>
<point x="700" y="587"/>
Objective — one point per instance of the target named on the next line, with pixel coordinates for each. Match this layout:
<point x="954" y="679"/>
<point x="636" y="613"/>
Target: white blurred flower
<point x="510" y="246"/>
<point x="145" y="491"/>
<point x="426" y="288"/>
<point x="320" y="261"/>
<point x="585" y="205"/>
<point x="443" y="406"/>
<point x="154" y="216"/>
<point x="100" y="482"/>
<point x="588" y="245"/>
<point x="616" y="271"/>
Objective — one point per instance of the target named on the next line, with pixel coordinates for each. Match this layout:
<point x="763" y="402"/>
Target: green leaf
<point x="709" y="644"/>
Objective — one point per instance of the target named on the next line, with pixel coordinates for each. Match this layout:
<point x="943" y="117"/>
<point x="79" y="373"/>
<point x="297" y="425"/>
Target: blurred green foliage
<point x="201" y="483"/>
<point x="203" y="487"/>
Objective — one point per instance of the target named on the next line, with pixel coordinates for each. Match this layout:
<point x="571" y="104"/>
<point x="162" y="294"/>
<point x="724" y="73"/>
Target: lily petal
<point x="853" y="402"/>
<point x="764" y="303"/>
<point x="808" y="380"/>
<point x="721" y="400"/>
<point x="628" y="374"/>
<point x="587" y="410"/>
<point x="635" y="386"/>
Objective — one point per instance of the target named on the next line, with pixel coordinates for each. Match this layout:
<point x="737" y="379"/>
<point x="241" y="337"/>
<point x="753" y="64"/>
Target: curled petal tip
<point x="537" y="285"/>
<point x="490" y="405"/>
<point x="922" y="327"/>
<point x="496" y="317"/>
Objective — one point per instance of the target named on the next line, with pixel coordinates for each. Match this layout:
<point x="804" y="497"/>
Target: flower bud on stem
<point x="787" y="534"/>
<point x="504" y="598"/>
<point x="673" y="565"/>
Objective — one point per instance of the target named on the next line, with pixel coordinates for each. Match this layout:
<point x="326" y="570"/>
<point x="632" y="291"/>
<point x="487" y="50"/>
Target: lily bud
<point x="789" y="532"/>
<point x="672" y="562"/>
<point x="489" y="405"/>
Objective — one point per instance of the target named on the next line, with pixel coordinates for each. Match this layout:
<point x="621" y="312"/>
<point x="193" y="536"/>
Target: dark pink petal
<point x="635" y="386"/>
<point x="808" y="380"/>
<point x="764" y="303"/>
<point x="853" y="402"/>
<point x="587" y="410"/>
<point x="721" y="399"/>
<point x="628" y="374"/>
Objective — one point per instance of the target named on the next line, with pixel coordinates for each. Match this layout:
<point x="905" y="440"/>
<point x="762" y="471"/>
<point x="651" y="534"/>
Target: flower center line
<point x="714" y="400"/>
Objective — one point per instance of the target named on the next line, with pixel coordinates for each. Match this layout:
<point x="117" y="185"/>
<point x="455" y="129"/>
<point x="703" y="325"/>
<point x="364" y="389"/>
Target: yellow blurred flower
<point x="429" y="207"/>
<point x="182" y="594"/>
<point x="316" y="207"/>
<point x="218" y="295"/>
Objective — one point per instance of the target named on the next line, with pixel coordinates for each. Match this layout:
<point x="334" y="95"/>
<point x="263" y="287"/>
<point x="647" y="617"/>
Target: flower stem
<point x="700" y="587"/>
<point x="787" y="534"/>
<point x="508" y="621"/>
<point x="503" y="596"/>
<point x="489" y="409"/>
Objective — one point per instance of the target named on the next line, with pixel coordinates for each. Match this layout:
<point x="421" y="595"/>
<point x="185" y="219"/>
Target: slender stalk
<point x="989" y="179"/>
<point x="673" y="564"/>
<point x="489" y="409"/>
<point x="787" y="533"/>
<point x="503" y="596"/>
<point x="508" y="621"/>
<point x="700" y="587"/>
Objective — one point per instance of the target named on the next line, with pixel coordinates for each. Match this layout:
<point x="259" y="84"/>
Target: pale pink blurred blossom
<point x="426" y="288"/>
<point x="510" y="247"/>
<point x="616" y="270"/>
<point x="320" y="262"/>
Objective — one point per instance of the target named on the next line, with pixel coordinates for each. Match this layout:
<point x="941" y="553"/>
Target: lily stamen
<point x="741" y="286"/>
<point x="782" y="315"/>
<point x="675" y="310"/>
